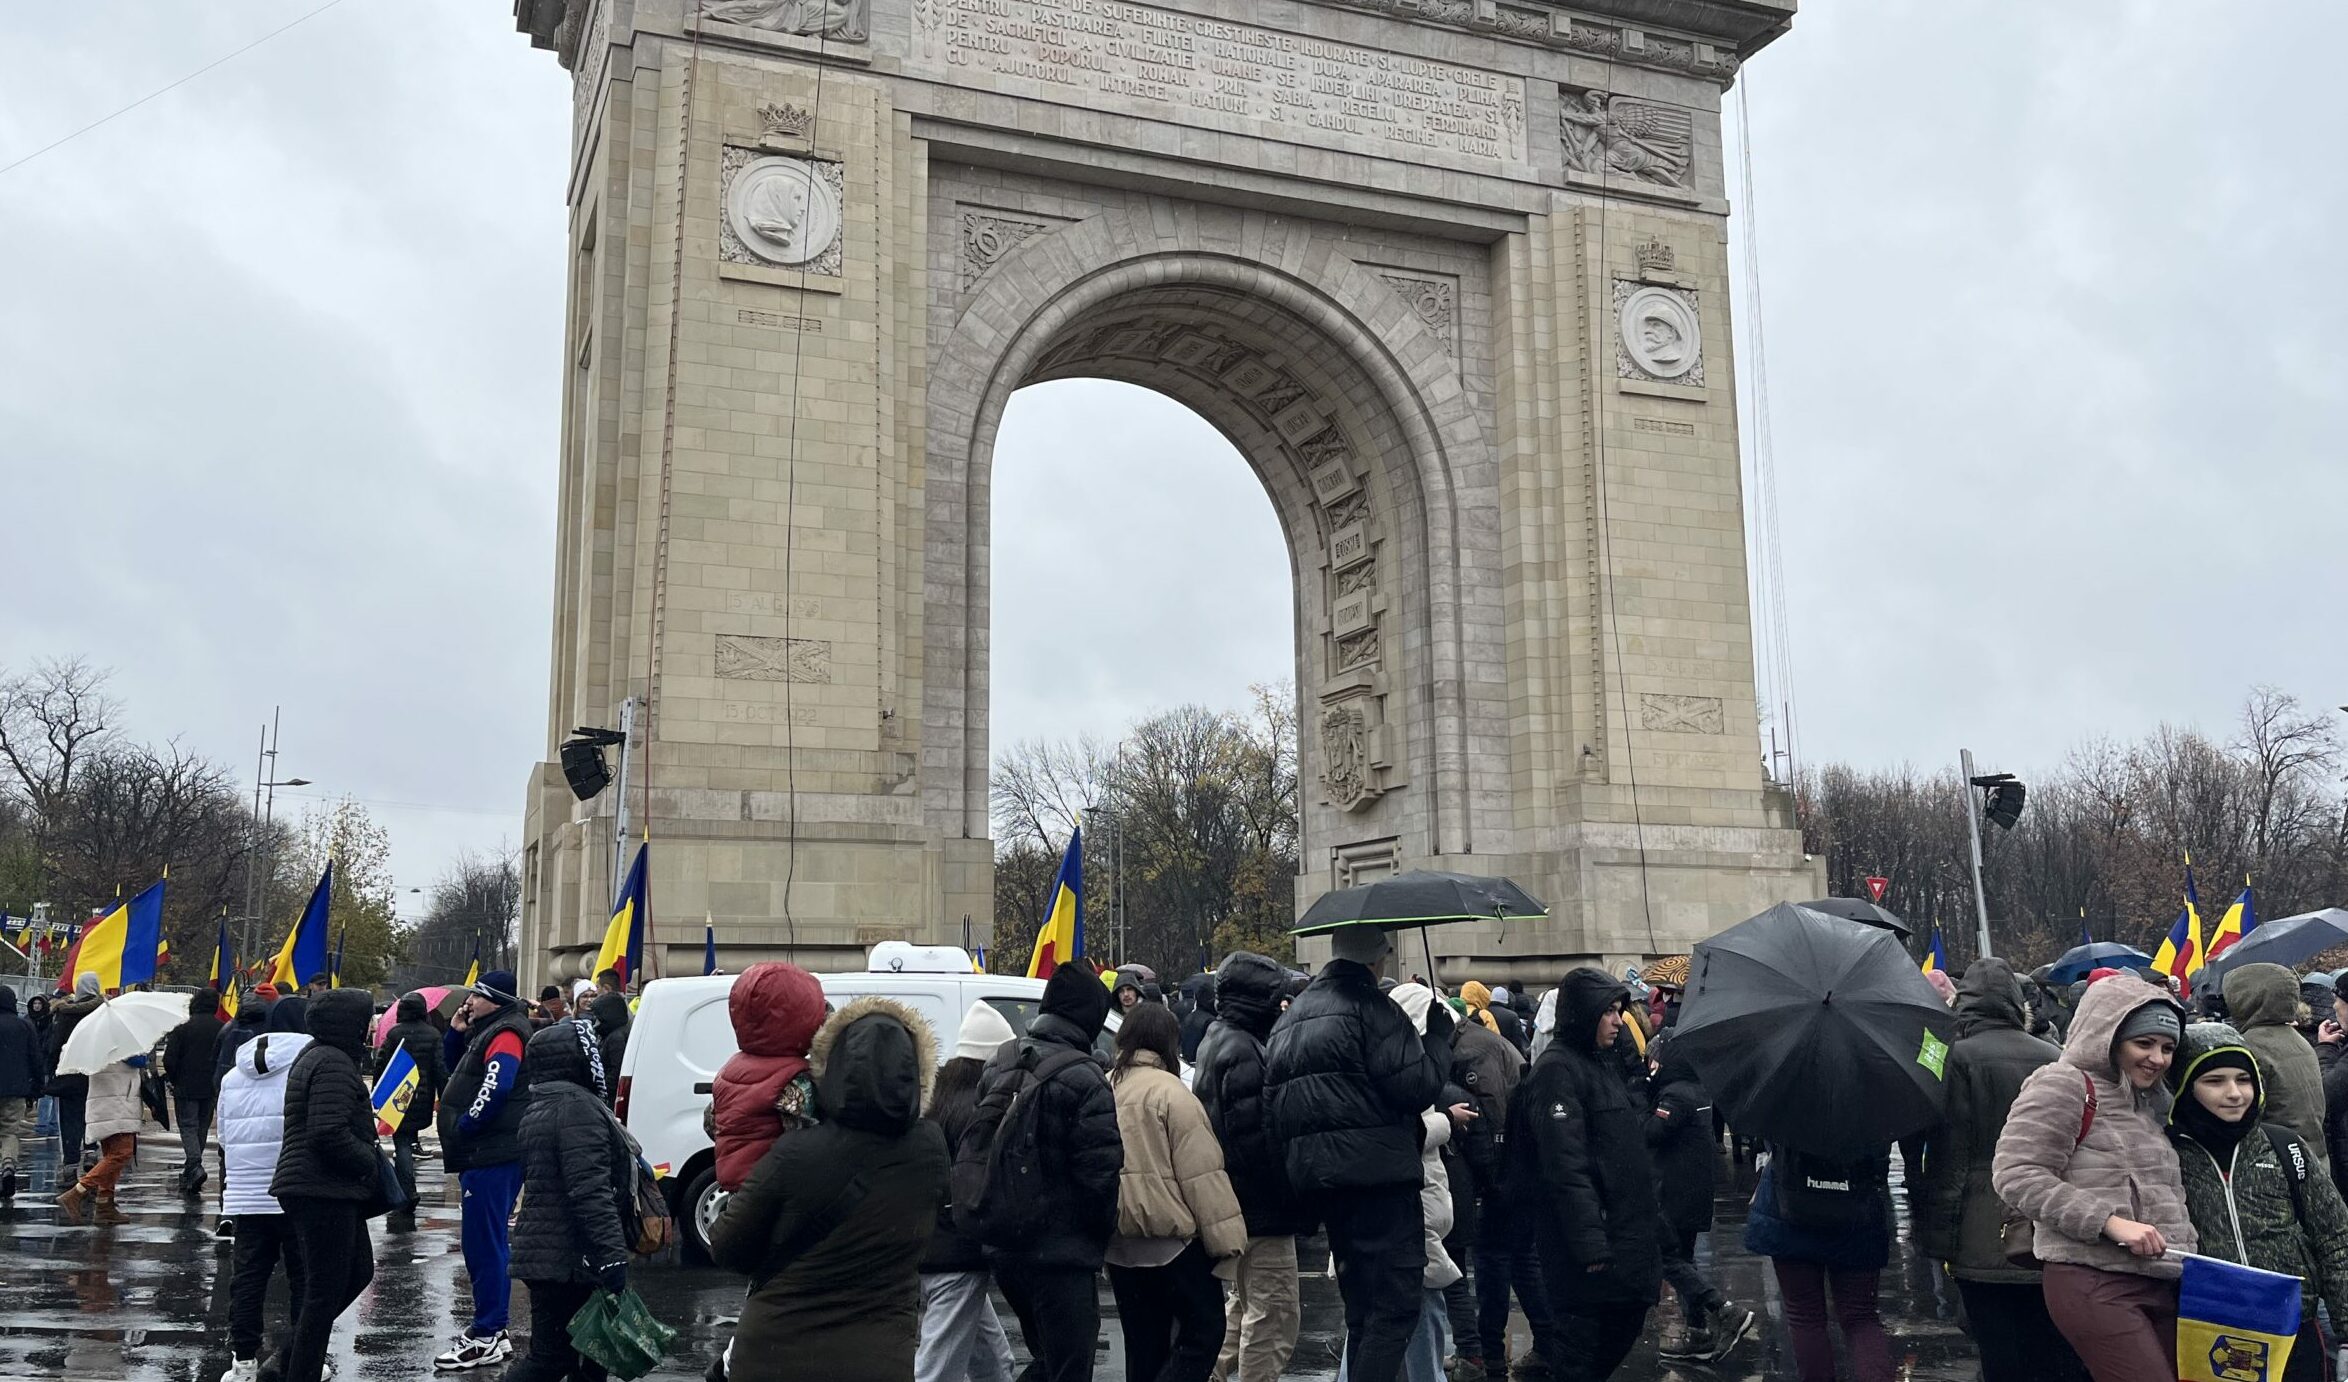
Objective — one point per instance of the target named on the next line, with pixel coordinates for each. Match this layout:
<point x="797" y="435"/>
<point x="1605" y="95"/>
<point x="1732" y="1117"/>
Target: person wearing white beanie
<point x="984" y="1030"/>
<point x="1424" y="1361"/>
<point x="961" y="1335"/>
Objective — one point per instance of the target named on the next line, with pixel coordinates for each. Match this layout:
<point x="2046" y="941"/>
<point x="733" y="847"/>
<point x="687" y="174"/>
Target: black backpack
<point x="1821" y="1193"/>
<point x="1000" y="1167"/>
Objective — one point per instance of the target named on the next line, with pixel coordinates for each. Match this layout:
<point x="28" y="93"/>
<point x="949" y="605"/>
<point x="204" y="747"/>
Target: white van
<point x="682" y="1034"/>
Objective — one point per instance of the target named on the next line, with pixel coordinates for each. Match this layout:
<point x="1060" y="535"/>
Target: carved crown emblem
<point x="1655" y="257"/>
<point x="786" y="119"/>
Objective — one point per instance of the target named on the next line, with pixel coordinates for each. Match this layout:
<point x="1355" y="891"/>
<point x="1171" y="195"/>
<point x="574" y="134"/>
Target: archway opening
<point x="1142" y="655"/>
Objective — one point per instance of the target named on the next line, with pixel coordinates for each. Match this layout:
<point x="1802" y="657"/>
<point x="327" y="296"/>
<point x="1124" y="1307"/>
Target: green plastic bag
<point x="620" y="1334"/>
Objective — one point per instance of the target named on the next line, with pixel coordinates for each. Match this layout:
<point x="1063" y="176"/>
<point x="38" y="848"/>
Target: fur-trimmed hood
<point x="873" y="1062"/>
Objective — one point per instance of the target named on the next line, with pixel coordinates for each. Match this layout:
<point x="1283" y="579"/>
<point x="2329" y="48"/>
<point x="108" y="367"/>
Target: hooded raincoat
<point x="1577" y="1160"/>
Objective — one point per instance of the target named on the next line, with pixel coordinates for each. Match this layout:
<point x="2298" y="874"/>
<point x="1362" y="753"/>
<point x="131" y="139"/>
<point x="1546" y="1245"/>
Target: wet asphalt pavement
<point x="147" y="1299"/>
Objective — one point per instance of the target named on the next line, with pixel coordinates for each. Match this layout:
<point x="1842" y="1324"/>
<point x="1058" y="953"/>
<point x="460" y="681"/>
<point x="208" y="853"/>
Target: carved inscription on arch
<point x="1198" y="70"/>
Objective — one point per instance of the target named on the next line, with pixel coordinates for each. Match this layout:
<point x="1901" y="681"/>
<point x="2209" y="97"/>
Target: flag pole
<point x="1973" y="836"/>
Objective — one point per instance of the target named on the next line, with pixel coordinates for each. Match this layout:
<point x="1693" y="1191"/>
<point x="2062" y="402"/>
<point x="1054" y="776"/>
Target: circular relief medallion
<point x="1661" y="333"/>
<point x="782" y="212"/>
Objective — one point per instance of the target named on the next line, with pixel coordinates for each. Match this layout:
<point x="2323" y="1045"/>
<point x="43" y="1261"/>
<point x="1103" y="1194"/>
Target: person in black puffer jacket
<point x="1052" y="1281"/>
<point x="1347" y="1077"/>
<point x="1685" y="1146"/>
<point x="1578" y="1164"/>
<point x="413" y="1033"/>
<point x="188" y="1056"/>
<point x="326" y="1173"/>
<point x="961" y="1336"/>
<point x="1260" y="1333"/>
<point x="576" y="1168"/>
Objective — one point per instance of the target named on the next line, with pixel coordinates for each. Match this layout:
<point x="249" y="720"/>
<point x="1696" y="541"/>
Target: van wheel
<point x="697" y="1211"/>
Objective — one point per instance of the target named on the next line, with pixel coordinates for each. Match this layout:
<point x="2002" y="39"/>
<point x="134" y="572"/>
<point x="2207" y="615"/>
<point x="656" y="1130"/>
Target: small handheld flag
<point x="123" y="947"/>
<point x="303" y="957"/>
<point x="1937" y="958"/>
<point x="2234" y="1323"/>
<point x="623" y="938"/>
<point x="395" y="1089"/>
<point x="1061" y="937"/>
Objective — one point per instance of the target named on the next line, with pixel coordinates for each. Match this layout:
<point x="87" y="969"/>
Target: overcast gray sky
<point x="2054" y="324"/>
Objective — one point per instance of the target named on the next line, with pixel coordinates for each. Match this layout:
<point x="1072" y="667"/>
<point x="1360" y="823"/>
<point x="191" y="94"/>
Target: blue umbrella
<point x="2286" y="941"/>
<point x="2081" y="960"/>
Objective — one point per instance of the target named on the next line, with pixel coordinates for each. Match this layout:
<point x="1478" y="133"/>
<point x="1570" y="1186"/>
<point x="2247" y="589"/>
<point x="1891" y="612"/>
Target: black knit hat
<point x="1076" y="994"/>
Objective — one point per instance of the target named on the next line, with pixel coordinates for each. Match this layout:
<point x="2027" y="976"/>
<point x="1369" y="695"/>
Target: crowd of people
<point x="1465" y="1156"/>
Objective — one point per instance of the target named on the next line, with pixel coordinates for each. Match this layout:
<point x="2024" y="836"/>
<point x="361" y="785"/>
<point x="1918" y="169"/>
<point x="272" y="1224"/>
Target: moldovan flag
<point x="121" y="947"/>
<point x="2234" y="1324"/>
<point x="394" y="1088"/>
<point x="303" y="957"/>
<point x="1938" y="956"/>
<point x="224" y="973"/>
<point x="2239" y="921"/>
<point x="2181" y="956"/>
<point x="1061" y="937"/>
<point x="623" y="939"/>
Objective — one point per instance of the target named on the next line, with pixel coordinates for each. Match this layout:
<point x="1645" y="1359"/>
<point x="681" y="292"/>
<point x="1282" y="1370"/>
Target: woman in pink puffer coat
<point x="2085" y="1158"/>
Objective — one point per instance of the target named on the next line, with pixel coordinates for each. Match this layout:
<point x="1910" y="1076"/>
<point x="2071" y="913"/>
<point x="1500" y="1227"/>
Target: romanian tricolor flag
<point x="708" y="944"/>
<point x="473" y="970"/>
<point x="1937" y="958"/>
<point x="623" y="938"/>
<point x="2181" y="955"/>
<point x="1061" y="937"/>
<point x="334" y="970"/>
<point x="2234" y="1323"/>
<point x="303" y="957"/>
<point x="123" y="946"/>
<point x="395" y="1088"/>
<point x="2239" y="921"/>
<point x="224" y="973"/>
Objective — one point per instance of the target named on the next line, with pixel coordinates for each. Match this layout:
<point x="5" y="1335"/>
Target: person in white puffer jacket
<point x="251" y="1118"/>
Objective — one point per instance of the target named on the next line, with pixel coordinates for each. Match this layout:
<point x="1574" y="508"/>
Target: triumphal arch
<point x="1451" y="274"/>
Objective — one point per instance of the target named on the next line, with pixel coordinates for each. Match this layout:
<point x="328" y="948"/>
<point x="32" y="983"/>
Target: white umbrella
<point x="121" y="1028"/>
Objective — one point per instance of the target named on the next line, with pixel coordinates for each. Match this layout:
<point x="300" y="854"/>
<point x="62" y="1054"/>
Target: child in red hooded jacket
<point x="764" y="1089"/>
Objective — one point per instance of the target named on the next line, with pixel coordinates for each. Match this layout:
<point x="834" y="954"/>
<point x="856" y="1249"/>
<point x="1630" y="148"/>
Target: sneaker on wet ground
<point x="1730" y="1324"/>
<point x="470" y="1352"/>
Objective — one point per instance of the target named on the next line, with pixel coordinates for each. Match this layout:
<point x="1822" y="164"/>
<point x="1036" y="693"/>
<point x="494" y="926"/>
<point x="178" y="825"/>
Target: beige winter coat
<point x="114" y="1103"/>
<point x="1173" y="1184"/>
<point x="2125" y="1166"/>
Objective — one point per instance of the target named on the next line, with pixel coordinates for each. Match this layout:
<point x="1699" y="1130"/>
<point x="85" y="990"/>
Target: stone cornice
<point x="1698" y="38"/>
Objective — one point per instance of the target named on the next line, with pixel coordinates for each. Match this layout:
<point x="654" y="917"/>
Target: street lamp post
<point x="265" y="785"/>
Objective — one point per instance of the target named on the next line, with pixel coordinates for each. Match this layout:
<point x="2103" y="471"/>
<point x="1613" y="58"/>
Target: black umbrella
<point x="1865" y="913"/>
<point x="2080" y="960"/>
<point x="1816" y="1033"/>
<point x="1421" y="897"/>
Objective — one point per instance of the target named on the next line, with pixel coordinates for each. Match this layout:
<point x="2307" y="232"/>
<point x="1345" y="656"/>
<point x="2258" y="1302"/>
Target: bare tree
<point x="51" y="718"/>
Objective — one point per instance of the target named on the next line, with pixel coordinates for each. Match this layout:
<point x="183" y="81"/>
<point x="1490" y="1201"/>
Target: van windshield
<point x="1021" y="1011"/>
